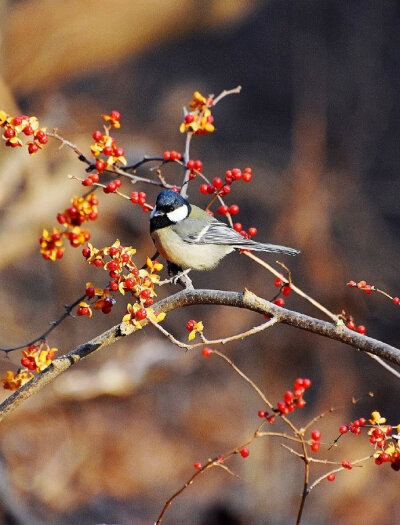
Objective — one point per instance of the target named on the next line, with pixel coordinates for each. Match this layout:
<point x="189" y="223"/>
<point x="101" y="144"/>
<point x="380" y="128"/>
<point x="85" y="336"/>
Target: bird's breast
<point x="187" y="255"/>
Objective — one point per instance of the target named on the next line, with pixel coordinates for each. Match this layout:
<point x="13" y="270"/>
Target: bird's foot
<point x="178" y="276"/>
<point x="183" y="279"/>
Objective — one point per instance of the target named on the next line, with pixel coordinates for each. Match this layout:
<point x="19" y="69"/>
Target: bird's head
<point x="170" y="208"/>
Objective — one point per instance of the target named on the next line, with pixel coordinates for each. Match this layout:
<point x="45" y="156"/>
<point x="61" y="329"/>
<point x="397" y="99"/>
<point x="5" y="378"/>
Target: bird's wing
<point x="194" y="231"/>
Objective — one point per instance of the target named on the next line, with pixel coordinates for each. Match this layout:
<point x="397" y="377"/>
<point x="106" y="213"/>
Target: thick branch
<point x="246" y="300"/>
<point x="250" y="301"/>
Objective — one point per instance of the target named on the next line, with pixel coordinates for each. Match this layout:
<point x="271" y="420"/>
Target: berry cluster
<point x="351" y="325"/>
<point x="195" y="327"/>
<point x="140" y="198"/>
<point x="291" y="400"/>
<point x="82" y="209"/>
<point x="28" y="126"/>
<point x="316" y="437"/>
<point x="380" y="436"/>
<point x="125" y="277"/>
<point x="172" y="155"/>
<point x="368" y="288"/>
<point x="223" y="188"/>
<point x="195" y="167"/>
<point x="199" y="120"/>
<point x="35" y="358"/>
<point x="113" y="118"/>
<point x="354" y="426"/>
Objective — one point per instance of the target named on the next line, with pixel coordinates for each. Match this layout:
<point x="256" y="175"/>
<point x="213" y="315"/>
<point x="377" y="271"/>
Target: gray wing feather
<point x="194" y="231"/>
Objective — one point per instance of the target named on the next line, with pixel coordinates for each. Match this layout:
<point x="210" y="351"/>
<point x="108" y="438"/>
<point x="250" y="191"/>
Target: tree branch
<point x="246" y="300"/>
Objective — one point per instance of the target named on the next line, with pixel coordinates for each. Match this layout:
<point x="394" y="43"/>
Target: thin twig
<point x="225" y="93"/>
<point x="297" y="290"/>
<point x="54" y="324"/>
<point x="322" y="478"/>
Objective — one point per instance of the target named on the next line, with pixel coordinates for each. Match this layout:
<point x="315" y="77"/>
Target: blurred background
<point x="318" y="121"/>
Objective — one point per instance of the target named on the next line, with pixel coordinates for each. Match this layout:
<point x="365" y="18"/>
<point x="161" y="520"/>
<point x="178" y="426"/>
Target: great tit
<point x="188" y="237"/>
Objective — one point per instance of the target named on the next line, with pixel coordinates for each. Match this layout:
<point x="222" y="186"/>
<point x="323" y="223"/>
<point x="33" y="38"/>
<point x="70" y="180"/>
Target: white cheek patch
<point x="179" y="214"/>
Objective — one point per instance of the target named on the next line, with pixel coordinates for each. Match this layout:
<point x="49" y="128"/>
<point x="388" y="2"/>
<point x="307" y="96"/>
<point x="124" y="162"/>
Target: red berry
<point x="262" y="413"/>
<point x="17" y="121"/>
<point x="44" y="139"/>
<point x="307" y="383"/>
<point x="189" y="118"/>
<point x="135" y="197"/>
<point x="108" y="150"/>
<point x="281" y="406"/>
<point x="9" y="132"/>
<point x="247" y="176"/>
<point x="346" y="464"/>
<point x="204" y="189"/>
<point x="223" y="210"/>
<point x="86" y="252"/>
<point x="331" y="477"/>
<point x="343" y="429"/>
<point x="190" y="325"/>
<point x="396" y="300"/>
<point x="90" y="291"/>
<point x="286" y="290"/>
<point x="361" y="329"/>
<point x="174" y="155"/>
<point x="28" y="130"/>
<point x="97" y="135"/>
<point x="217" y="182"/>
<point x="141" y="314"/>
<point x="244" y="452"/>
<point x="206" y="352"/>
<point x="87" y="182"/>
<point x="315" y="446"/>
<point x="190" y="164"/>
<point x="300" y="403"/>
<point x="362" y="421"/>
<point x="279" y="301"/>
<point x="252" y="231"/>
<point x="129" y="283"/>
<point x="237" y="226"/>
<point x="110" y="188"/>
<point x="33" y="148"/>
<point x="361" y="284"/>
<point x="271" y="419"/>
<point x="351" y="325"/>
<point x="236" y="173"/>
<point x="167" y="155"/>
<point x="198" y="165"/>
<point x="116" y="115"/>
<point x="119" y="152"/>
<point x="278" y="282"/>
<point x="288" y="396"/>
<point x="316" y="435"/>
<point x="225" y="190"/>
<point x="351" y="284"/>
<point x="94" y="177"/>
<point x="100" y="165"/>
<point x="198" y="465"/>
<point x="234" y="209"/>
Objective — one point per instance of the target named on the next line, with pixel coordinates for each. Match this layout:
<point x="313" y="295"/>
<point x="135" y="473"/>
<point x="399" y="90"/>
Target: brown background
<point x="317" y="120"/>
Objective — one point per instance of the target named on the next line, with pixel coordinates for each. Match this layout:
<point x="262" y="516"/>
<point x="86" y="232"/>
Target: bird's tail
<point x="261" y="247"/>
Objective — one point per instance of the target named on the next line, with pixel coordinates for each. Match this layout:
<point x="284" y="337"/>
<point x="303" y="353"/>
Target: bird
<point x="189" y="238"/>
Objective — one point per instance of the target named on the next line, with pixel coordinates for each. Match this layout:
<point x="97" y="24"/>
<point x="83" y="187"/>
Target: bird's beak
<point x="155" y="212"/>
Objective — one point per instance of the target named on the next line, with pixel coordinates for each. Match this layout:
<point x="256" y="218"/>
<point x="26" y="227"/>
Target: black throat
<point x="158" y="222"/>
